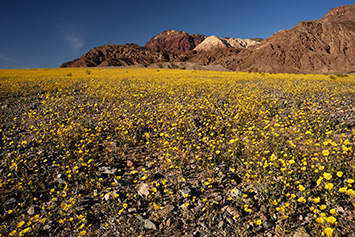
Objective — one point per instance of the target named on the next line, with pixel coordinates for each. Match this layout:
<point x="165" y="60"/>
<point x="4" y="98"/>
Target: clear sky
<point x="46" y="33"/>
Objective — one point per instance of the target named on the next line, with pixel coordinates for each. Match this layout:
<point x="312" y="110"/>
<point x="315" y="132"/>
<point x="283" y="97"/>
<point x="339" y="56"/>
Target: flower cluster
<point x="96" y="151"/>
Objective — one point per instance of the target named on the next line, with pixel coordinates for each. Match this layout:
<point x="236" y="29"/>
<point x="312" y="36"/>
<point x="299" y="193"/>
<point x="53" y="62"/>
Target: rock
<point x="229" y="220"/>
<point x="11" y="201"/>
<point x="340" y="209"/>
<point x="31" y="210"/>
<point x="129" y="163"/>
<point x="168" y="222"/>
<point x="183" y="206"/>
<point x="132" y="209"/>
<point x="107" y="197"/>
<point x="164" y="211"/>
<point x="143" y="190"/>
<point x="231" y="210"/>
<point x="236" y="192"/>
<point x="185" y="192"/>
<point x="60" y="180"/>
<point x="221" y="224"/>
<point x="106" y="170"/>
<point x="47" y="227"/>
<point x="149" y="225"/>
<point x="139" y="217"/>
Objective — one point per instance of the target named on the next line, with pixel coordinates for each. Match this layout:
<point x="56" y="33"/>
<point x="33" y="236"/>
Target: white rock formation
<point x="213" y="42"/>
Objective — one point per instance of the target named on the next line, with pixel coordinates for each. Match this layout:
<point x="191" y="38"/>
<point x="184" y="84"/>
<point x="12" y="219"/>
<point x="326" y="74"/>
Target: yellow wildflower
<point x="329" y="186"/>
<point x="327" y="176"/>
<point x="325" y="152"/>
<point x="328" y="231"/>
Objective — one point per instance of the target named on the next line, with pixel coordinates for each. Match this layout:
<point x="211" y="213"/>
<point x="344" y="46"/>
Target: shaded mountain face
<point x="117" y="55"/>
<point x="320" y="46"/>
<point x="326" y="45"/>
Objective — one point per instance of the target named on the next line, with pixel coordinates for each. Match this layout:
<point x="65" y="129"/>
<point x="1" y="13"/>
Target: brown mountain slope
<point x="117" y="55"/>
<point x="321" y="46"/>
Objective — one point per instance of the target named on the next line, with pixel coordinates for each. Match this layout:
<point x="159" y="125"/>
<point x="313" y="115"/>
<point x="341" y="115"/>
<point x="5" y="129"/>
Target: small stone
<point x="132" y="209"/>
<point x="236" y="192"/>
<point x="168" y="222"/>
<point x="47" y="227"/>
<point x="144" y="190"/>
<point x="11" y="201"/>
<point x="129" y="163"/>
<point x="149" y="225"/>
<point x="61" y="181"/>
<point x="164" y="211"/>
<point x="185" y="192"/>
<point x="231" y="210"/>
<point x="221" y="224"/>
<point x="106" y="170"/>
<point x="230" y="220"/>
<point x="107" y="196"/>
<point x="340" y="209"/>
<point x="183" y="206"/>
<point x="31" y="210"/>
<point x="169" y="208"/>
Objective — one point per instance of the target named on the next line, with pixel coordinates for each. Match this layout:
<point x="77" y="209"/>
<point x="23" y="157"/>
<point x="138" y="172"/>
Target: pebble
<point x="11" y="201"/>
<point x="149" y="225"/>
<point x="236" y="192"/>
<point x="185" y="191"/>
<point x="144" y="190"/>
<point x="47" y="227"/>
<point x="31" y="210"/>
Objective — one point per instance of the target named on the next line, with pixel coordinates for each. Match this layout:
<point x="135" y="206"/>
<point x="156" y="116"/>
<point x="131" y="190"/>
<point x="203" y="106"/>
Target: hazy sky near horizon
<point x="44" y="34"/>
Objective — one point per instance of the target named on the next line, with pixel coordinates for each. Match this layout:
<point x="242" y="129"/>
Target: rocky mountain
<point x="172" y="41"/>
<point x="326" y="45"/>
<point x="168" y="46"/>
<point x="213" y="42"/>
<point x="118" y="55"/>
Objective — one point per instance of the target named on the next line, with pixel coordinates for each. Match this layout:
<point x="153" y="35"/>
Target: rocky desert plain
<point x="188" y="135"/>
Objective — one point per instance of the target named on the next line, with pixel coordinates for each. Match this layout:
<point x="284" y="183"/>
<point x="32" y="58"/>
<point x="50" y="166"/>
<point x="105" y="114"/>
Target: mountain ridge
<point x="326" y="45"/>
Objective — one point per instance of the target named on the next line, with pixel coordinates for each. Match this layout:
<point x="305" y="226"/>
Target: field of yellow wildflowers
<point x="129" y="152"/>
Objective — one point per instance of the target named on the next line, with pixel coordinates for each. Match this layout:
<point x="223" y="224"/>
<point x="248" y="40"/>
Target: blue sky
<point x="46" y="33"/>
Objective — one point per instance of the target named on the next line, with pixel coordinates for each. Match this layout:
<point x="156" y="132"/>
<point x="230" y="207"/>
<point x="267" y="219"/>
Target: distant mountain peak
<point x="213" y="42"/>
<point x="326" y="45"/>
<point x="174" y="41"/>
<point x="342" y="12"/>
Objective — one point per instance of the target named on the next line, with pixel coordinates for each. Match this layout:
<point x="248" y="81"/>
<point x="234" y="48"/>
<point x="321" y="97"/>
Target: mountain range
<point x="326" y="45"/>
